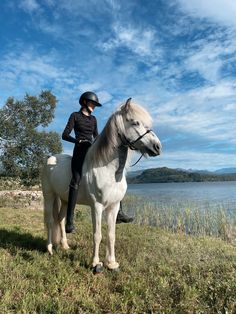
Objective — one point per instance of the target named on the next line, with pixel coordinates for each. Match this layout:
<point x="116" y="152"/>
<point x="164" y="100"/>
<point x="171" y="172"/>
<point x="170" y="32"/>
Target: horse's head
<point x="137" y="133"/>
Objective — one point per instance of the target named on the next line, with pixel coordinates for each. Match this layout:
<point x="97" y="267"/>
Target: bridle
<point x="127" y="143"/>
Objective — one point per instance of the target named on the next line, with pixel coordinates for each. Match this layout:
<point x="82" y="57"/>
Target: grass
<point x="161" y="271"/>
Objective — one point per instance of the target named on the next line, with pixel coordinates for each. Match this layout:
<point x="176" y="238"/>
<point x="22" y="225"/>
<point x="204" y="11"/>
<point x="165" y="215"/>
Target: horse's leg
<point x="48" y="219"/>
<point x="62" y="218"/>
<point x="96" y="211"/>
<point x="112" y="212"/>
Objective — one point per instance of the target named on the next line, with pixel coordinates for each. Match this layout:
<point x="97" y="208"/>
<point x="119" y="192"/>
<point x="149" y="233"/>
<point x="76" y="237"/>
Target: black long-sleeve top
<point x="85" y="127"/>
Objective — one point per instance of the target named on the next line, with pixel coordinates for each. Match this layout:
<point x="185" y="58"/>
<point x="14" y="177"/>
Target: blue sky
<point x="177" y="58"/>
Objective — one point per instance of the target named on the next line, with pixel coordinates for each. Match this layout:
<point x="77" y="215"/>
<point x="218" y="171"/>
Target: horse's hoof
<point x="98" y="269"/>
<point x="49" y="249"/>
<point x="65" y="246"/>
<point x="113" y="266"/>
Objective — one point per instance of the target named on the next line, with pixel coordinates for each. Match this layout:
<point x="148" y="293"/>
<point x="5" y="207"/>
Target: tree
<point x="24" y="144"/>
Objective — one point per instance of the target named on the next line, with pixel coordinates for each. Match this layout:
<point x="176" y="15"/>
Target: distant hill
<point x="225" y="170"/>
<point x="132" y="174"/>
<point x="218" y="171"/>
<point x="164" y="174"/>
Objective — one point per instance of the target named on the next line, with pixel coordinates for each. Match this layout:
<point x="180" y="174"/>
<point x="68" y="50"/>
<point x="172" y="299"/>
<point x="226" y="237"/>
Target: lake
<point x="194" y="194"/>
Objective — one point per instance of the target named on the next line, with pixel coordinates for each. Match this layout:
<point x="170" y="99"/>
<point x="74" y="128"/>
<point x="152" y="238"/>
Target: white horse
<point x="103" y="183"/>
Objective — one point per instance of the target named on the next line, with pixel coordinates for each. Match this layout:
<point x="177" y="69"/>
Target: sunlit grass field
<point x="161" y="271"/>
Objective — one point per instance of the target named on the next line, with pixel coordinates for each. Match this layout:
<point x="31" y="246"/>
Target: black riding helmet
<point x="89" y="96"/>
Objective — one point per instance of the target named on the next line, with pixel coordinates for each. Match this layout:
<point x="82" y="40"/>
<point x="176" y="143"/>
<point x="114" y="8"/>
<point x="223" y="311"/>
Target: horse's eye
<point x="135" y="123"/>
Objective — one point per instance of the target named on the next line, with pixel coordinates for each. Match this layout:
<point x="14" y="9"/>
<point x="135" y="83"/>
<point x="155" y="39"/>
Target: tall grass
<point x="184" y="218"/>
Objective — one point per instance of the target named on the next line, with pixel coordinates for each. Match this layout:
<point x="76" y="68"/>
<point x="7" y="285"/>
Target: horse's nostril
<point x="156" y="147"/>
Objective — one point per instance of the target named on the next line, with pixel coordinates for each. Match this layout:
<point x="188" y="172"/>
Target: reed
<point x="185" y="218"/>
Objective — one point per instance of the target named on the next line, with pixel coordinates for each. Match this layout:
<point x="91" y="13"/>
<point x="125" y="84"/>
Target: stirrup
<point x="123" y="218"/>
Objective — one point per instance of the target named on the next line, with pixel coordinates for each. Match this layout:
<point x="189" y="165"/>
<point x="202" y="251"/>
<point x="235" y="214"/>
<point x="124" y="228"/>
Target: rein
<point x="137" y="161"/>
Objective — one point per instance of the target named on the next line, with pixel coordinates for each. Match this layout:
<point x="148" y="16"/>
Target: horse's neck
<point x="116" y="160"/>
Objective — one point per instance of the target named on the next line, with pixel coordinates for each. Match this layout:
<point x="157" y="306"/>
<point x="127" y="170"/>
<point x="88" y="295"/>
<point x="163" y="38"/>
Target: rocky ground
<point x="21" y="198"/>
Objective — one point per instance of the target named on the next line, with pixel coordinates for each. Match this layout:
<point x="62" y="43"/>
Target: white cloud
<point x="208" y="56"/>
<point x="201" y="112"/>
<point x="197" y="160"/>
<point x="90" y="86"/>
<point x="50" y="3"/>
<point x="49" y="27"/>
<point x="29" y="5"/>
<point x="230" y="107"/>
<point x="185" y="159"/>
<point x="29" y="62"/>
<point x="115" y="5"/>
<point x="206" y="62"/>
<point x="104" y="96"/>
<point x="28" y="71"/>
<point x="221" y="89"/>
<point x="88" y="9"/>
<point x="141" y="41"/>
<point x="221" y="11"/>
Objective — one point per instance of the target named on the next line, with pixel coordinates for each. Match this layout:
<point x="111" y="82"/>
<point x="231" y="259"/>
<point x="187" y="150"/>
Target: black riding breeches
<point x="77" y="161"/>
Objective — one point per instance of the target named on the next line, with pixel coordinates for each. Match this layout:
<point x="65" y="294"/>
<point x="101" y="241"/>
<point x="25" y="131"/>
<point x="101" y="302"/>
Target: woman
<point x="84" y="125"/>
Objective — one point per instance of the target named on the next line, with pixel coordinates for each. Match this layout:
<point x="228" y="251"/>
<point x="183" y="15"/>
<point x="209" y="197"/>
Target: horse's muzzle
<point x="155" y="151"/>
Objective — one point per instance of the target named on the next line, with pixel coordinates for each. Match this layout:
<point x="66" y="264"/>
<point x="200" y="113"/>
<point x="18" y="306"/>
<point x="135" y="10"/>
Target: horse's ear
<point x="127" y="104"/>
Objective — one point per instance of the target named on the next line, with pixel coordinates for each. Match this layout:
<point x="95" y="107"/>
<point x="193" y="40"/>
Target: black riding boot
<point x="122" y="217"/>
<point x="73" y="193"/>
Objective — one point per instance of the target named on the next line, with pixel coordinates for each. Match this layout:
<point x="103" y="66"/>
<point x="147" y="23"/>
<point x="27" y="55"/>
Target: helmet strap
<point x="84" y="105"/>
<point x="88" y="110"/>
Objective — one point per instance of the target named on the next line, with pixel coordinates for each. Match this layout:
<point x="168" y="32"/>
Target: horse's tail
<point x="56" y="232"/>
<point x="52" y="204"/>
<point x="52" y="207"/>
